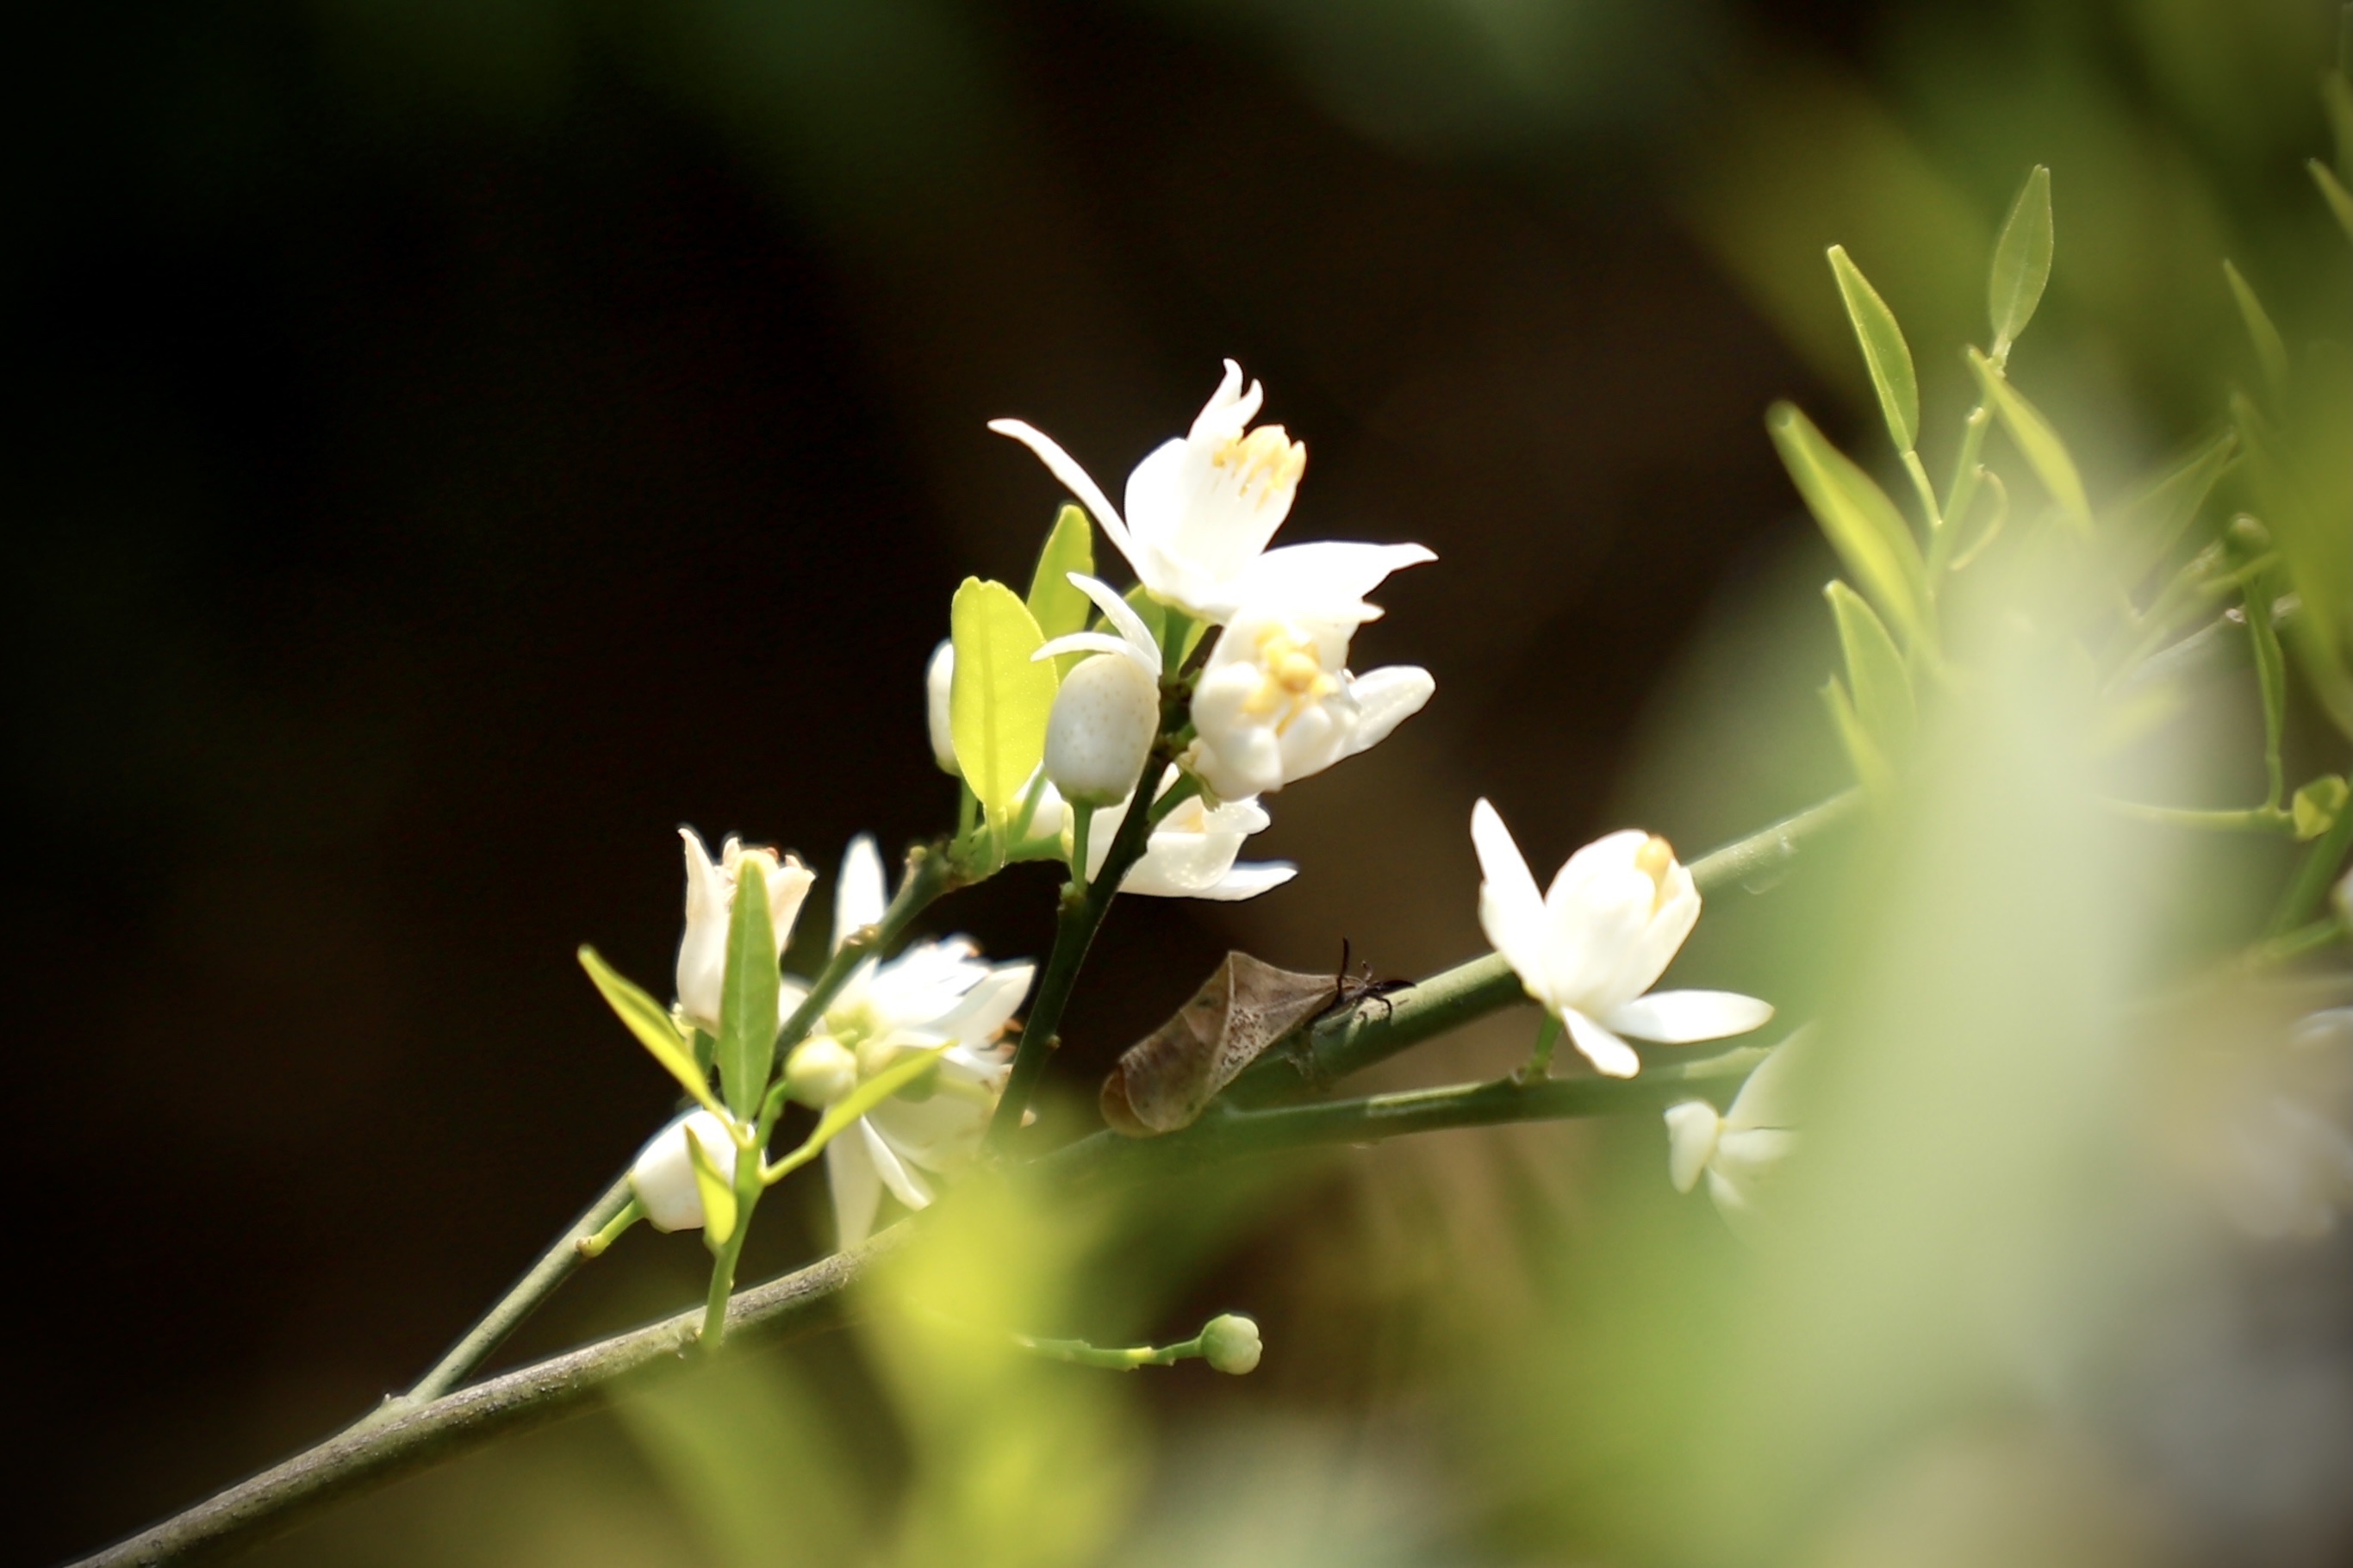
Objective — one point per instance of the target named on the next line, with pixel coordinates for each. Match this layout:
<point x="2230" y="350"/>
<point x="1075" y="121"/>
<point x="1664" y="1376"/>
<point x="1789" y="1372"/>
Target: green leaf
<point x="2332" y="191"/>
<point x="1862" y="524"/>
<point x="2150" y="523"/>
<point x="2022" y="261"/>
<point x="1871" y="768"/>
<point x="650" y="1021"/>
<point x="747" y="994"/>
<point x="1874" y="671"/>
<point x="2271" y="351"/>
<point x="2037" y="442"/>
<point x="997" y="706"/>
<point x="1884" y="350"/>
<point x="2319" y="550"/>
<point x="1057" y="607"/>
<point x="842" y="1112"/>
<point x="718" y="1194"/>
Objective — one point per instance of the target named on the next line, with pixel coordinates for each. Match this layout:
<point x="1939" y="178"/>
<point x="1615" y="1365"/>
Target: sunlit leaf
<point x="747" y="998"/>
<point x="2021" y="260"/>
<point x="650" y="1022"/>
<point x="1882" y="688"/>
<point x="2271" y="351"/>
<point x="2038" y="443"/>
<point x="2147" y="526"/>
<point x="1057" y="607"/>
<point x="1862" y="524"/>
<point x="843" y="1112"/>
<point x="718" y="1194"/>
<point x="998" y="702"/>
<point x="1884" y="350"/>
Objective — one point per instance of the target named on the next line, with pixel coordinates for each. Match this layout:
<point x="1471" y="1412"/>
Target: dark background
<point x="450" y="446"/>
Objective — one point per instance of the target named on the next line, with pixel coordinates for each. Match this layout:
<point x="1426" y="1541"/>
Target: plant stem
<point x="2312" y="879"/>
<point x="2254" y="819"/>
<point x="1079" y="1352"/>
<point x="597" y="1245"/>
<point x="1913" y="467"/>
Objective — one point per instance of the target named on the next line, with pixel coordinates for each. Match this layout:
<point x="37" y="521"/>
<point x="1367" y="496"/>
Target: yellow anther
<point x="1266" y="457"/>
<point x="1298" y="672"/>
<point x="1654" y="859"/>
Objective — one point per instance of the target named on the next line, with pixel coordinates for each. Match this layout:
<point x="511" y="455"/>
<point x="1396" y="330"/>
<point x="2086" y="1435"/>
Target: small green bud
<point x="1230" y="1344"/>
<point x="820" y="1071"/>
<point x="2317" y="804"/>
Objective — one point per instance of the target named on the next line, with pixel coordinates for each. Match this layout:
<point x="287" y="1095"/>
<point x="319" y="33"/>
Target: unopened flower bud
<point x="939" y="681"/>
<point x="1693" y="1129"/>
<point x="820" y="1071"/>
<point x="1230" y="1344"/>
<point x="1103" y="724"/>
<point x="663" y="1175"/>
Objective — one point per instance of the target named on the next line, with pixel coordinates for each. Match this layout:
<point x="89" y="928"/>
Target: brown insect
<point x="1165" y="1079"/>
<point x="1350" y="990"/>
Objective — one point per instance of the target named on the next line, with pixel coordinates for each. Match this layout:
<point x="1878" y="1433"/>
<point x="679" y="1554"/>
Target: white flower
<point x="1589" y="948"/>
<point x="1276" y="702"/>
<point x="710" y="899"/>
<point x="1740" y="1149"/>
<point x="662" y="1176"/>
<point x="1192" y="851"/>
<point x="1106" y="712"/>
<point x="939" y="681"/>
<point x="1202" y="508"/>
<point x="932" y="994"/>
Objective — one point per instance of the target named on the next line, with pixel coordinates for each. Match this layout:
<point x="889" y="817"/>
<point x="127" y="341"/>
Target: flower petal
<point x="1386" y="698"/>
<point x="1122" y="614"/>
<point x="1692" y="1128"/>
<point x="1610" y="1056"/>
<point x="1680" y="1017"/>
<point x="1248" y="880"/>
<point x="1074" y="479"/>
<point x="905" y="1185"/>
<point x="857" y="1189"/>
<point x="1085" y="642"/>
<point x="1326" y="579"/>
<point x="985" y="1008"/>
<point x="1511" y="911"/>
<point x="1765" y="1097"/>
<point x="862" y="894"/>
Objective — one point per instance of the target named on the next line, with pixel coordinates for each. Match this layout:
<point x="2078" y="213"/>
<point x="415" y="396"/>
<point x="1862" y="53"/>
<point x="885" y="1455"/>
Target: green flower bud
<point x="1231" y="1344"/>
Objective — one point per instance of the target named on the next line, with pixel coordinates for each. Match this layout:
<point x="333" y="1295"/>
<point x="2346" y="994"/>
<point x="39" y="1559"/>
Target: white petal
<point x="1663" y="937"/>
<point x="1330" y="577"/>
<point x="1074" y="479"/>
<point x="905" y="1185"/>
<point x="1737" y="1203"/>
<point x="987" y="1006"/>
<point x="1590" y="929"/>
<point x="1086" y="642"/>
<point x="862" y="894"/>
<point x="857" y="1189"/>
<point x="1765" y="1099"/>
<point x="1510" y="909"/>
<point x="1386" y="698"/>
<point x="1122" y="614"/>
<point x="1610" y="1056"/>
<point x="662" y="1175"/>
<point x="1610" y="852"/>
<point x="1248" y="880"/>
<point x="1680" y="1017"/>
<point x="1692" y="1128"/>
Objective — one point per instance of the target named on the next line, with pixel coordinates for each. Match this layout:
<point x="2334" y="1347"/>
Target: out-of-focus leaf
<point x="1884" y="351"/>
<point x="1874" y="670"/>
<point x="2021" y="260"/>
<point x="717" y="1192"/>
<point x="2271" y="351"/>
<point x="747" y="994"/>
<point x="1871" y="769"/>
<point x="2319" y="549"/>
<point x="650" y="1021"/>
<point x="1057" y="607"/>
<point x="2038" y="443"/>
<point x="840" y="1116"/>
<point x="1862" y="524"/>
<point x="998" y="702"/>
<point x="1996" y="513"/>
<point x="2317" y="804"/>
<point x="2333" y="192"/>
<point x="2146" y="526"/>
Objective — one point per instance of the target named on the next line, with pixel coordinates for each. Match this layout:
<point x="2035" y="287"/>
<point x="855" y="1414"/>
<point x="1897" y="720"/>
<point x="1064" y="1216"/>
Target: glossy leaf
<point x="842" y="1112"/>
<point x="2271" y="351"/>
<point x="1884" y="353"/>
<point x="650" y="1021"/>
<point x="998" y="702"/>
<point x="2038" y="443"/>
<point x="1057" y="607"/>
<point x="2021" y="260"/>
<point x="1881" y="686"/>
<point x="747" y="994"/>
<point x="717" y="1192"/>
<point x="1862" y="524"/>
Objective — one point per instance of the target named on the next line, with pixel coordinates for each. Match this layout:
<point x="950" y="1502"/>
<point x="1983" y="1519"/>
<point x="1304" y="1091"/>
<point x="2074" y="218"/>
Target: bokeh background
<point x="448" y="446"/>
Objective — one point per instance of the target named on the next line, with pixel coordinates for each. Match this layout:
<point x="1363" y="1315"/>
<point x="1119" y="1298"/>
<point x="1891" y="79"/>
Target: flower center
<point x="1654" y="859"/>
<point x="1290" y="674"/>
<point x="1266" y="460"/>
<point x="851" y="1023"/>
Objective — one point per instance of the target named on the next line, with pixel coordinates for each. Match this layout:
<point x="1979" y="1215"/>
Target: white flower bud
<point x="939" y="681"/>
<point x="820" y="1071"/>
<point x="1231" y="1344"/>
<point x="710" y="913"/>
<point x="663" y="1175"/>
<point x="1100" y="728"/>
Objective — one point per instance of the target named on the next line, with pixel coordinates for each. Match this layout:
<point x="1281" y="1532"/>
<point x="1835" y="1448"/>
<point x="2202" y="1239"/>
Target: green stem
<point x="748" y="1188"/>
<point x="1912" y="466"/>
<point x="1964" y="488"/>
<point x="1538" y="1066"/>
<point x="2295" y="945"/>
<point x="1079" y="1353"/>
<point x="1081" y="820"/>
<point x="2270" y="680"/>
<point x="2312" y="879"/>
<point x="597" y="1245"/>
<point x="2254" y="819"/>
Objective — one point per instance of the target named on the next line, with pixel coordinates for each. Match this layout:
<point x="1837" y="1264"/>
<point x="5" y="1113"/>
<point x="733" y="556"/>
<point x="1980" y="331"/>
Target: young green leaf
<point x="1884" y="351"/>
<point x="1871" y="769"/>
<point x="717" y="1192"/>
<point x="2037" y="442"/>
<point x="1057" y="607"/>
<point x="1862" y="524"/>
<point x="747" y="997"/>
<point x="2271" y="351"/>
<point x="842" y="1112"/>
<point x="999" y="700"/>
<point x="1874" y="671"/>
<point x="2147" y="526"/>
<point x="2022" y="261"/>
<point x="650" y="1021"/>
<point x="2333" y="192"/>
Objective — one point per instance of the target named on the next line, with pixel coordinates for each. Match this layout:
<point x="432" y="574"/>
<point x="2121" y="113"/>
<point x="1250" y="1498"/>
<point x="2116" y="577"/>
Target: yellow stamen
<point x="1654" y="859"/>
<point x="1266" y="457"/>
